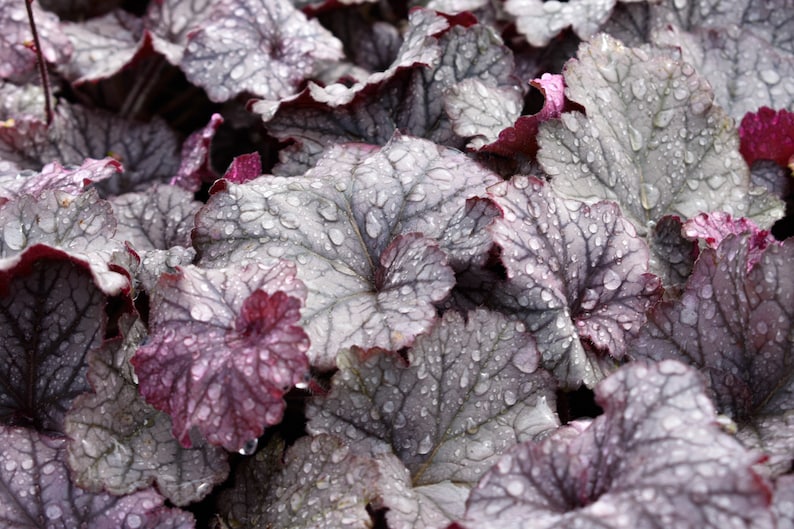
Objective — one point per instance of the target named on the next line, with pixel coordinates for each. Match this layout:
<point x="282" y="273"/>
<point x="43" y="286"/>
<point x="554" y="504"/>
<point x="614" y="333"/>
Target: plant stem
<point x="45" y="80"/>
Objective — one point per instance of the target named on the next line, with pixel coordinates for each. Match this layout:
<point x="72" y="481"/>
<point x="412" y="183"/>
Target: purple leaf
<point x="619" y="150"/>
<point x="196" y="168"/>
<point x="244" y="168"/>
<point x="51" y="316"/>
<point x="103" y="46"/>
<point x="469" y="391"/>
<point x="339" y="223"/>
<point x="712" y="228"/>
<point x="80" y="226"/>
<point x="219" y="54"/>
<point x="735" y="325"/>
<point x="54" y="176"/>
<point x="655" y="458"/>
<point x="120" y="444"/>
<point x="17" y="57"/>
<point x="158" y="218"/>
<point x="579" y="274"/>
<point x="783" y="505"/>
<point x="768" y="135"/>
<point x="223" y="350"/>
<point x="35" y="492"/>
<point x="319" y="483"/>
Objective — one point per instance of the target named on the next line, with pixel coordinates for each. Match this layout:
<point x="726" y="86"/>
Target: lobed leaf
<point x="655" y="458"/>
<point x="223" y="350"/>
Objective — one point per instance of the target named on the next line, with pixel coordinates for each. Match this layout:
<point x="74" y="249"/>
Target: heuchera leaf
<point x="783" y="505"/>
<point x="768" y="135"/>
<point x="652" y="139"/>
<point x="711" y="228"/>
<point x="735" y="324"/>
<point x="148" y="151"/>
<point x="244" y="168"/>
<point x="51" y="316"/>
<point x="319" y="484"/>
<point x="352" y="226"/>
<point x="655" y="458"/>
<point x="170" y="23"/>
<point x="541" y="21"/>
<point x="120" y="444"/>
<point x="81" y="226"/>
<point x="521" y="136"/>
<point x="219" y="58"/>
<point x="469" y="391"/>
<point x="55" y="176"/>
<point x="159" y="217"/>
<point x="196" y="168"/>
<point x="223" y="350"/>
<point x="35" y="492"/>
<point x="579" y="277"/>
<point x="103" y="46"/>
<point x="412" y="101"/>
<point x="17" y="58"/>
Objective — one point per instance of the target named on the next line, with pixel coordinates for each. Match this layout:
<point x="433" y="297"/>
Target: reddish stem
<point x="45" y="80"/>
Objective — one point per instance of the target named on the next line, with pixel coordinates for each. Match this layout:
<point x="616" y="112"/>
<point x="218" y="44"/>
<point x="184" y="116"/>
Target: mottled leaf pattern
<point x="51" y="316"/>
<point x="55" y="176"/>
<point x="120" y="444"/>
<point x="541" y="21"/>
<point x="579" y="276"/>
<point x="223" y="350"/>
<point x="35" y="492"/>
<point x="652" y="138"/>
<point x="655" y="458"/>
<point x="170" y="23"/>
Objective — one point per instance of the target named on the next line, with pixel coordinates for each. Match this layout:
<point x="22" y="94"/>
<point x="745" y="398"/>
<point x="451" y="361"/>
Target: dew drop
<point x="425" y="445"/>
<point x="770" y="77"/>
<point x="336" y="236"/>
<point x="649" y="196"/>
<point x="372" y="225"/>
<point x="249" y="447"/>
<point x="611" y="280"/>
<point x="635" y="139"/>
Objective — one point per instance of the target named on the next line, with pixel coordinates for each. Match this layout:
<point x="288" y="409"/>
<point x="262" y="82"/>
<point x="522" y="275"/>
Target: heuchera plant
<point x="453" y="264"/>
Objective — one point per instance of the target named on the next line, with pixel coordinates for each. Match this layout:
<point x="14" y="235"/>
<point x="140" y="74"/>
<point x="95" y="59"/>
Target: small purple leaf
<point x="35" y="492"/>
<point x="579" y="277"/>
<point x="120" y="444"/>
<point x="51" y="316"/>
<point x="655" y="458"/>
<point x="244" y="168"/>
<point x="219" y="54"/>
<point x="223" y="350"/>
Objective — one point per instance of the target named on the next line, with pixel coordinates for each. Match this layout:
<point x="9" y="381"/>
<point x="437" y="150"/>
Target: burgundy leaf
<point x="579" y="277"/>
<point x="223" y="350"/>
<point x="244" y="168"/>
<point x="120" y="444"/>
<point x="219" y="54"/>
<point x="340" y="222"/>
<point x="768" y="135"/>
<point x="35" y="492"/>
<point x="655" y="458"/>
<point x="712" y="228"/>
<point x="735" y="324"/>
<point x="51" y="316"/>
<point x="196" y="168"/>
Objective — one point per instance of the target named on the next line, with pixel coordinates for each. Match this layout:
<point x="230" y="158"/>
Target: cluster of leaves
<point x="349" y="264"/>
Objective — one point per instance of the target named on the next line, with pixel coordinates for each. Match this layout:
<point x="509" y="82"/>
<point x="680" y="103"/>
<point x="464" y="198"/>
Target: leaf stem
<point x="45" y="80"/>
